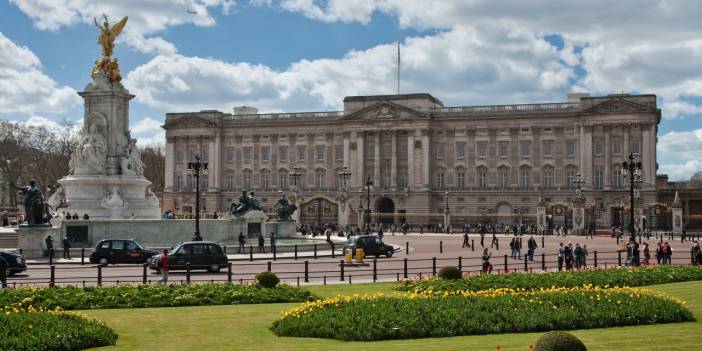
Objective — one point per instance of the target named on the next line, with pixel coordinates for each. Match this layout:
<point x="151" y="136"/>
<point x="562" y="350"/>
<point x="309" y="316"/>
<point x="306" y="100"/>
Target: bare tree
<point x="154" y="159"/>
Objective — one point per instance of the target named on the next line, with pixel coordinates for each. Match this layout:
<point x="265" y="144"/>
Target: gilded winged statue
<point x="108" y="35"/>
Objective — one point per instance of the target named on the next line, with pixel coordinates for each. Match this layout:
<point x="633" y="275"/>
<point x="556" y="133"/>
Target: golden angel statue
<point x="108" y="35"/>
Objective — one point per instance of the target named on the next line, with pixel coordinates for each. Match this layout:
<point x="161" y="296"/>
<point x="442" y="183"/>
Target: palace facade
<point x="428" y="163"/>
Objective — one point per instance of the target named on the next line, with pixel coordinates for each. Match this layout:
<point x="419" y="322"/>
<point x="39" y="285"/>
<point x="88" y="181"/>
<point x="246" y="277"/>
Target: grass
<point x="245" y="327"/>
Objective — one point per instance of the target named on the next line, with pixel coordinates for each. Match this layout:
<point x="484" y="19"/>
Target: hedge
<point x="641" y="276"/>
<point x="140" y="296"/>
<point x="443" y="313"/>
<point x="31" y="329"/>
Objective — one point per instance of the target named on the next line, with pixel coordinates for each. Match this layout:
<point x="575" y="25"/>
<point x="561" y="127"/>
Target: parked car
<point x="120" y="251"/>
<point x="371" y="245"/>
<point x="200" y="254"/>
<point x="15" y="262"/>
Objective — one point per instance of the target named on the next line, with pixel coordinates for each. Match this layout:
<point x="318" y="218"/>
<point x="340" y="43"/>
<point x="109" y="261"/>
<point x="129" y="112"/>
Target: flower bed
<point x="613" y="277"/>
<point x="139" y="296"/>
<point x="31" y="329"/>
<point x="443" y="313"/>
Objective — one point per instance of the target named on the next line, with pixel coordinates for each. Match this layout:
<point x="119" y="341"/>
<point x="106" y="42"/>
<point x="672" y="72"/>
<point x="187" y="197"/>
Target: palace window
<point x="370" y="152"/>
<point x="504" y="179"/>
<point x="301" y="152"/>
<point x="387" y="150"/>
<point x="339" y="152"/>
<point x="319" y="181"/>
<point x="617" y="179"/>
<point x="247" y="182"/>
<point x="524" y="175"/>
<point x="460" y="180"/>
<point x="403" y="151"/>
<point x="599" y="148"/>
<point x="482" y="179"/>
<point x="525" y="150"/>
<point x="206" y="155"/>
<point x="320" y="152"/>
<point x="439" y="151"/>
<point x="265" y="153"/>
<point x="264" y="181"/>
<point x="386" y="181"/>
<point x="635" y="146"/>
<point x="548" y="178"/>
<point x="248" y="153"/>
<point x="231" y="154"/>
<point x="205" y="183"/>
<point x="570" y="148"/>
<point x="230" y="182"/>
<point x="179" y="182"/>
<point x="503" y="149"/>
<point x="482" y="150"/>
<point x="283" y="153"/>
<point x="402" y="181"/>
<point x="599" y="178"/>
<point x="440" y="180"/>
<point x="617" y="148"/>
<point x="548" y="148"/>
<point x="570" y="177"/>
<point x="179" y="156"/>
<point x="283" y="181"/>
<point x="460" y="151"/>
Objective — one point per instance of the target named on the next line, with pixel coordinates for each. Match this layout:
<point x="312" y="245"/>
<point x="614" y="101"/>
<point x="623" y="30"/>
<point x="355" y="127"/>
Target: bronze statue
<point x="284" y="209"/>
<point x="33" y="203"/>
<point x="245" y="204"/>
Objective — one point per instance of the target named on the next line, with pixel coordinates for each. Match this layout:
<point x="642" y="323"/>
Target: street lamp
<point x="194" y="169"/>
<point x="447" y="206"/>
<point x="369" y="186"/>
<point x="344" y="174"/>
<point x="634" y="176"/>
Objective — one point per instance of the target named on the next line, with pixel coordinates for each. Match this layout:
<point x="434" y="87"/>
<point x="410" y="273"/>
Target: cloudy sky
<point x="306" y="55"/>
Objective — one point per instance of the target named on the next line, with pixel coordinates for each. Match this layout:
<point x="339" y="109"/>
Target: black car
<point x="15" y="262"/>
<point x="200" y="254"/>
<point x="120" y="251"/>
<point x="371" y="245"/>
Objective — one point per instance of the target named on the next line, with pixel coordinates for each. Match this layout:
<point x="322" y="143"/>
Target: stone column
<point x="586" y="153"/>
<point x="608" y="159"/>
<point x="578" y="219"/>
<point x="426" y="182"/>
<point x="393" y="161"/>
<point x="410" y="159"/>
<point x="360" y="157"/>
<point x="170" y="164"/>
<point x="541" y="224"/>
<point x="648" y="155"/>
<point x="213" y="163"/>
<point x="376" y="161"/>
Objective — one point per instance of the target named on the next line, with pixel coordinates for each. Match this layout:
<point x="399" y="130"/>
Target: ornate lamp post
<point x="634" y="176"/>
<point x="194" y="169"/>
<point x="446" y="213"/>
<point x="369" y="187"/>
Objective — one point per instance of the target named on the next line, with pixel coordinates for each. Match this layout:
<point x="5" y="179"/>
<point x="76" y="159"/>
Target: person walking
<point x="579" y="256"/>
<point x="531" y="247"/>
<point x="647" y="254"/>
<point x="261" y="244"/>
<point x="665" y="249"/>
<point x="242" y="242"/>
<point x="482" y="236"/>
<point x="487" y="266"/>
<point x="273" y="242"/>
<point x="568" y="256"/>
<point x="466" y="243"/>
<point x="513" y="248"/>
<point x="560" y="253"/>
<point x="518" y="247"/>
<point x="635" y="254"/>
<point x="66" y="247"/>
<point x="585" y="255"/>
<point x="163" y="267"/>
<point x="659" y="253"/>
<point x="494" y="239"/>
<point x="49" y="241"/>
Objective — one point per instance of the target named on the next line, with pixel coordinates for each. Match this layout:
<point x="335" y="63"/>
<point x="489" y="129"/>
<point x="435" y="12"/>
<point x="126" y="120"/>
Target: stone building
<point x="428" y="163"/>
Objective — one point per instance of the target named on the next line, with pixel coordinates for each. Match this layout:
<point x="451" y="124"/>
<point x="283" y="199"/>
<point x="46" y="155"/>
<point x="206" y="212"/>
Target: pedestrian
<point x="579" y="256"/>
<point x="518" y="247"/>
<point x="531" y="247"/>
<point x="465" y="240"/>
<point x="487" y="267"/>
<point x="242" y="242"/>
<point x="163" y="267"/>
<point x="66" y="247"/>
<point x="568" y="256"/>
<point x="380" y="232"/>
<point x="647" y="254"/>
<point x="694" y="252"/>
<point x="482" y="237"/>
<point x="261" y="244"/>
<point x="560" y="254"/>
<point x="659" y="253"/>
<point x="494" y="239"/>
<point x="49" y="241"/>
<point x="513" y="248"/>
<point x="273" y="242"/>
<point x="585" y="255"/>
<point x="667" y="255"/>
<point x="635" y="254"/>
<point x="3" y="273"/>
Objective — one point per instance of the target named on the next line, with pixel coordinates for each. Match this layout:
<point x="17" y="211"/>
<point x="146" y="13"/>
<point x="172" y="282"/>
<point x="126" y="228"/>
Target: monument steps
<point x="8" y="240"/>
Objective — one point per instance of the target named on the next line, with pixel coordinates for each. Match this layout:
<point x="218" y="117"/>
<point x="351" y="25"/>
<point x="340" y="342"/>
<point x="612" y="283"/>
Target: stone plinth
<point x="578" y="216"/>
<point x="281" y="229"/>
<point x="250" y="223"/>
<point x="31" y="239"/>
<point x="110" y="197"/>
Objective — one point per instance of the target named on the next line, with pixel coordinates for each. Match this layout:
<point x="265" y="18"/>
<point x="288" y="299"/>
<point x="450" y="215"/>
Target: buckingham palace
<point x="410" y="158"/>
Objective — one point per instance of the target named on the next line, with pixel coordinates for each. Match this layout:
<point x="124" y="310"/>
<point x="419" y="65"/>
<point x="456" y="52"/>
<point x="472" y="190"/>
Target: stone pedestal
<point x="251" y="223"/>
<point x="541" y="218"/>
<point x="280" y="229"/>
<point x="31" y="240"/>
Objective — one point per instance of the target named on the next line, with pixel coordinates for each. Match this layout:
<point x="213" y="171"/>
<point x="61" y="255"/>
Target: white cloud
<point x="145" y="17"/>
<point x="25" y="88"/>
<point x="146" y="125"/>
<point x="680" y="154"/>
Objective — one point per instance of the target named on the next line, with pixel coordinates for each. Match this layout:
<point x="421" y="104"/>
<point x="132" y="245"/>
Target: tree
<point x="154" y="160"/>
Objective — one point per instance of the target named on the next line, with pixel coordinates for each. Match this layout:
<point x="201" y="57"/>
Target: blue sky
<point x="305" y="55"/>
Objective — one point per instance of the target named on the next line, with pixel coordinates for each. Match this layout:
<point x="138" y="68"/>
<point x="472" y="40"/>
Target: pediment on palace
<point x="385" y="110"/>
<point x="190" y="121"/>
<point x="618" y="105"/>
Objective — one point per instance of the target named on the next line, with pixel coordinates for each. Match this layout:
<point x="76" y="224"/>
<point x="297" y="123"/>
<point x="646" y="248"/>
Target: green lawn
<point x="245" y="327"/>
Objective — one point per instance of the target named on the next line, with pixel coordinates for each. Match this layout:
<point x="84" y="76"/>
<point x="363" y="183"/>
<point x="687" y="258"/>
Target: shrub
<point x="267" y="279"/>
<point x="559" y="341"/>
<point x="450" y="273"/>
<point x="141" y="296"/>
<point x="613" y="277"/>
<point x="443" y="314"/>
<point x="29" y="329"/>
